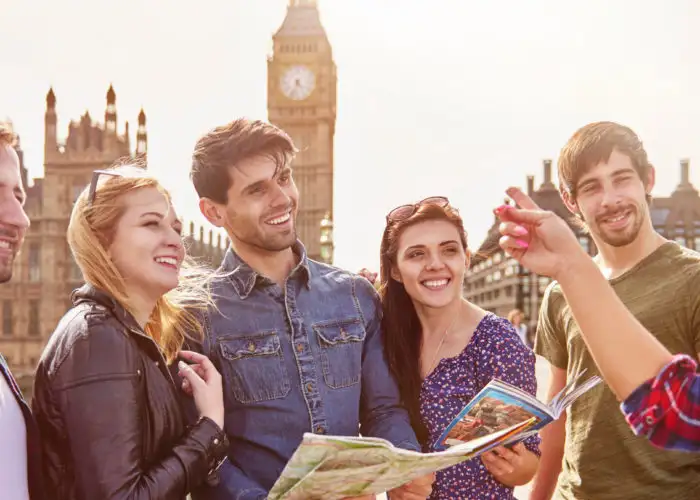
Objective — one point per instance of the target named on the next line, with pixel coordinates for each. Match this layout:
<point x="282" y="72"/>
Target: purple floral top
<point x="494" y="351"/>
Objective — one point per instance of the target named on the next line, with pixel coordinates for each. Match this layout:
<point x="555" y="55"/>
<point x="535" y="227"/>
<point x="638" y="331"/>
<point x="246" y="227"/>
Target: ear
<point x="468" y="260"/>
<point x="651" y="180"/>
<point x="395" y="274"/>
<point x="212" y="211"/>
<point x="569" y="201"/>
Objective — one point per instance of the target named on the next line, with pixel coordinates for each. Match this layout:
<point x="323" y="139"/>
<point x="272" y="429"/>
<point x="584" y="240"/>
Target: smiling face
<point x="13" y="220"/>
<point x="147" y="247"/>
<point x="262" y="206"/>
<point x="431" y="262"/>
<point x="611" y="199"/>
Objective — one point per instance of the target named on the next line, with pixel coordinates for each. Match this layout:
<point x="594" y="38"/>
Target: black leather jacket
<point x="108" y="412"/>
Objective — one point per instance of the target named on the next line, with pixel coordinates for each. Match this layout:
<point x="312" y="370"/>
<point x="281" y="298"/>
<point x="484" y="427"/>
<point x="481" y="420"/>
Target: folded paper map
<point x="335" y="467"/>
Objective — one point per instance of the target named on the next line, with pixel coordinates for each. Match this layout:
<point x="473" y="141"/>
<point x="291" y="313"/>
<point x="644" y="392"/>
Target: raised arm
<point x="632" y="361"/>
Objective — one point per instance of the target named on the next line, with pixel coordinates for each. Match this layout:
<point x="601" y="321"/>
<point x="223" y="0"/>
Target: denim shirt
<point x="306" y="357"/>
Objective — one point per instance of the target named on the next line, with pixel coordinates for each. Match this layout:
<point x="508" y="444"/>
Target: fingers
<point x="207" y="369"/>
<point x="513" y="246"/>
<point x="521" y="216"/>
<point x="515" y="230"/>
<point x="496" y="465"/>
<point x="187" y="372"/>
<point x="523" y="200"/>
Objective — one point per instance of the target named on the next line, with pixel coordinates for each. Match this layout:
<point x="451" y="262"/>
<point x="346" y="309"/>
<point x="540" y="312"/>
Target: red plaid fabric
<point x="666" y="409"/>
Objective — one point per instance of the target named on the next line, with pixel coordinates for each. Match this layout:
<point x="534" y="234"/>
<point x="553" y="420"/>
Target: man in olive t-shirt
<point x="591" y="454"/>
<point x="603" y="458"/>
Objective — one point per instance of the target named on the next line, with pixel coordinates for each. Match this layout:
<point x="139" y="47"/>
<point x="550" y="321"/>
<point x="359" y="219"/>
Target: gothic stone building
<point x="499" y="284"/>
<point x="45" y="273"/>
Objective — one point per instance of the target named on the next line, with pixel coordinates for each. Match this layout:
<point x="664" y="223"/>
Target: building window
<point x="34" y="263"/>
<point x="681" y="240"/>
<point x="696" y="241"/>
<point x="7" y="317"/>
<point x="34" y="312"/>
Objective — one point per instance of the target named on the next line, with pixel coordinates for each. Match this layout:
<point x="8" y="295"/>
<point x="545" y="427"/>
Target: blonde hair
<point x="513" y="314"/>
<point x="90" y="233"/>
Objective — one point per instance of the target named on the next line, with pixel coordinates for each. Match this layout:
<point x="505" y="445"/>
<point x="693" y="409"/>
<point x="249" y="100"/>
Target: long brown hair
<point x="402" y="329"/>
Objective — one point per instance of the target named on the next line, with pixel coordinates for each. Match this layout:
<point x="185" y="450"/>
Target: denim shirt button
<point x="320" y="430"/>
<point x="251" y="346"/>
<point x="300" y="347"/>
<point x="309" y="387"/>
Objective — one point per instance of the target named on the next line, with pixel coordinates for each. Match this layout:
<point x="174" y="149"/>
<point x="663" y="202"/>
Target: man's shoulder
<point x="331" y="277"/>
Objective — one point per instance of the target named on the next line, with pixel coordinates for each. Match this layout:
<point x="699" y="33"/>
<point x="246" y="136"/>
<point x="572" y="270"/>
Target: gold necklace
<point x="442" y="341"/>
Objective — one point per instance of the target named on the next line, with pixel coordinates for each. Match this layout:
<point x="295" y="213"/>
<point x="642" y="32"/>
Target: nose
<point x="174" y="240"/>
<point x="280" y="197"/>
<point x="434" y="262"/>
<point x="12" y="214"/>
<point x="610" y="197"/>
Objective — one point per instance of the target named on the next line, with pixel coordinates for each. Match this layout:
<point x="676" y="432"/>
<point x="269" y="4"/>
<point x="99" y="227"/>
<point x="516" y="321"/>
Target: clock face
<point x="298" y="82"/>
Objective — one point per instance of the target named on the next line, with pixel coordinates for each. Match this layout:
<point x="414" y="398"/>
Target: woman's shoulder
<point x="87" y="339"/>
<point x="498" y="334"/>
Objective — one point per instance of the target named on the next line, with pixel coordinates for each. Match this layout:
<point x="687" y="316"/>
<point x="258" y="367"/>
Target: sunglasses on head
<point x="93" y="184"/>
<point x="405" y="211"/>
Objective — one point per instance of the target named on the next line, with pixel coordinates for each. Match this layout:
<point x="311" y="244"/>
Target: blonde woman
<point x="106" y="404"/>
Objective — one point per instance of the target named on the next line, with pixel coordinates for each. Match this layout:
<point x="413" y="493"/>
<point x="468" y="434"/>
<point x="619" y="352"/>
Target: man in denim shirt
<point x="298" y="343"/>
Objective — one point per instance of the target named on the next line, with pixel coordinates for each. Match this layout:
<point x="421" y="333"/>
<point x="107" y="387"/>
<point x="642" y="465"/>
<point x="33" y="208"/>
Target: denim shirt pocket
<point x="341" y="345"/>
<point x="254" y="367"/>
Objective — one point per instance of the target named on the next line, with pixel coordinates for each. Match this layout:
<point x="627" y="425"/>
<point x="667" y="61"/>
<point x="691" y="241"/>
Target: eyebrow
<point x="157" y="214"/>
<point x="442" y="244"/>
<point x="616" y="173"/>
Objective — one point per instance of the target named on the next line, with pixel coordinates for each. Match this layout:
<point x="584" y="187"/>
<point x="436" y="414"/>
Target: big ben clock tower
<point x="301" y="99"/>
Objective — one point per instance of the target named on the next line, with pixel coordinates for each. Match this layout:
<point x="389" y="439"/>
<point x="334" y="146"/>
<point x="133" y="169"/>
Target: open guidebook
<point x="335" y="467"/>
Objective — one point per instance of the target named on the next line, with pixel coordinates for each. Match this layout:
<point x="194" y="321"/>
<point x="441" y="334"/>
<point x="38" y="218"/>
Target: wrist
<point x="573" y="267"/>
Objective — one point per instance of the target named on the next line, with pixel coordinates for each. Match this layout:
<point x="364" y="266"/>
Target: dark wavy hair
<point x="402" y="329"/>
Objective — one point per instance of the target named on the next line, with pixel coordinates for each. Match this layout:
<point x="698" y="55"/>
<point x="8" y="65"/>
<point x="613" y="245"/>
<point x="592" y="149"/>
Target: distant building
<point x="45" y="273"/>
<point x="499" y="284"/>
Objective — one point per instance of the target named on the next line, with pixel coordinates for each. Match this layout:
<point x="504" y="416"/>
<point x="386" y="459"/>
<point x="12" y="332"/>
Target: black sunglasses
<point x="403" y="212"/>
<point x="93" y="184"/>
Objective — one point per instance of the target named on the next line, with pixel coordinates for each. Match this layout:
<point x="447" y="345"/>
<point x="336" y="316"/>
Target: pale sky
<point x="442" y="97"/>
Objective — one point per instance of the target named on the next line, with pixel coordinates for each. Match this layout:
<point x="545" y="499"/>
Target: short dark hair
<point x="7" y="137"/>
<point x="594" y="143"/>
<point x="227" y="146"/>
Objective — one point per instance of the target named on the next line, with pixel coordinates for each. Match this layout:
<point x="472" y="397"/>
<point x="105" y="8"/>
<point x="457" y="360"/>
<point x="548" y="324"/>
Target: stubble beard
<point x="619" y="240"/>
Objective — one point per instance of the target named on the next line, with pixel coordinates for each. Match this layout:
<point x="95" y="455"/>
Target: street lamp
<point x="326" y="240"/>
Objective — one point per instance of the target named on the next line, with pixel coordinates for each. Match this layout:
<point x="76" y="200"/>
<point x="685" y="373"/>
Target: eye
<point x="151" y="223"/>
<point x="285" y="178"/>
<point x="414" y="254"/>
<point x="450" y="250"/>
<point x="178" y="229"/>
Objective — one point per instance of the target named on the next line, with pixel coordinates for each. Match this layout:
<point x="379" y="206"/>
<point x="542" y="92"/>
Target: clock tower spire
<point x="301" y="99"/>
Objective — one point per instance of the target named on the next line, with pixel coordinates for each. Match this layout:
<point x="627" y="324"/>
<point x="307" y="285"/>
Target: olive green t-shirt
<point x="603" y="459"/>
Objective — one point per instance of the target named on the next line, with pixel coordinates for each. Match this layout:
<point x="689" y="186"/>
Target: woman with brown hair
<point x="443" y="350"/>
<point x="106" y="405"/>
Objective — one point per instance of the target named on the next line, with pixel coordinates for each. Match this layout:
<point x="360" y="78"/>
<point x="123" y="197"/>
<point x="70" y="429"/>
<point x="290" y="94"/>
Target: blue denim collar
<point x="244" y="278"/>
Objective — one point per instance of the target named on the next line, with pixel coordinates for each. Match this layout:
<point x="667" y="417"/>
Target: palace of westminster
<point x="301" y="99"/>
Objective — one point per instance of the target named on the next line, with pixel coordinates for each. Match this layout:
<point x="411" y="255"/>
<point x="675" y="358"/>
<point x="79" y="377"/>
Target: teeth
<point x="166" y="260"/>
<point x="436" y="283"/>
<point x="5" y="244"/>
<point x="280" y="220"/>
<point x="616" y="218"/>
